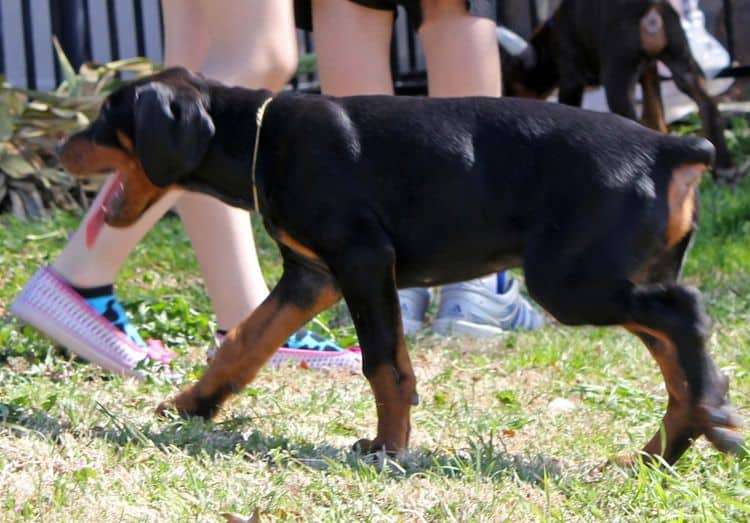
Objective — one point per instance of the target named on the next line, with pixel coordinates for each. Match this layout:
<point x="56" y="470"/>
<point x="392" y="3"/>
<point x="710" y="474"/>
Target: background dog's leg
<point x="690" y="80"/>
<point x="301" y="293"/>
<point x="369" y="287"/>
<point x="619" y="85"/>
<point x="653" y="107"/>
<point x="570" y="93"/>
<point x="572" y="80"/>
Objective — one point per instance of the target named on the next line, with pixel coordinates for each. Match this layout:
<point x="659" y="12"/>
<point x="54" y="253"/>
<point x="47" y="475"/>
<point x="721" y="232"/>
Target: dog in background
<point x="614" y="43"/>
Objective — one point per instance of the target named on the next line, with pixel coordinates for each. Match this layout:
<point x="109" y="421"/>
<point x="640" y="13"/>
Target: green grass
<point x="79" y="445"/>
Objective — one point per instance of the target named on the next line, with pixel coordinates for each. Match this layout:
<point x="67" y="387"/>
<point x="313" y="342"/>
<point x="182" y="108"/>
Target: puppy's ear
<point x="172" y="132"/>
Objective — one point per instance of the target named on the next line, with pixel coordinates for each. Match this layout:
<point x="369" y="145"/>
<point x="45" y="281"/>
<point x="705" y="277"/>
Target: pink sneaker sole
<point x="349" y="359"/>
<point x="49" y="305"/>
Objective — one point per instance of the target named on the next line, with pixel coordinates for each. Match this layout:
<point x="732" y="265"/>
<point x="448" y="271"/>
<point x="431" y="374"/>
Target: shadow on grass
<point x="480" y="460"/>
<point x="193" y="436"/>
<point x="197" y="437"/>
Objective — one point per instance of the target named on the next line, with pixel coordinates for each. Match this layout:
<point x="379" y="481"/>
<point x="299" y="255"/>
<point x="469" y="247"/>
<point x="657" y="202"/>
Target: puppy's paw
<point x="164" y="407"/>
<point x="630" y="462"/>
<point x="184" y="404"/>
<point x="372" y="446"/>
<point x="722" y="427"/>
<point x="170" y="406"/>
<point x="727" y="440"/>
<point x="363" y="446"/>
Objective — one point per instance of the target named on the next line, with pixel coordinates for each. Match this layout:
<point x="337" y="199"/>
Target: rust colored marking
<point x="83" y="157"/>
<point x="245" y="349"/>
<point x="636" y="328"/>
<point x="681" y="199"/>
<point x="520" y="90"/>
<point x="653" y="107"/>
<point x="296" y="246"/>
<point x="678" y="424"/>
<point x="393" y="401"/>
<point x="395" y="391"/>
<point x="653" y="36"/>
<point x="126" y="142"/>
<point x="135" y="193"/>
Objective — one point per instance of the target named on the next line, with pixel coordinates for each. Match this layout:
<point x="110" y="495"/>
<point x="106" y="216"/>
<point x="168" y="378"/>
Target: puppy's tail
<point x="684" y="150"/>
<point x="688" y="158"/>
<point x="653" y="33"/>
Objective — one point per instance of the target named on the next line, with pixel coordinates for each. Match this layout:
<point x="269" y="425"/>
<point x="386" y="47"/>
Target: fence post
<point x="69" y="25"/>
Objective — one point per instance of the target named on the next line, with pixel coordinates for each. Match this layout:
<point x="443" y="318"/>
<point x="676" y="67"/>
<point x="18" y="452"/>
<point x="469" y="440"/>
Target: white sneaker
<point x="705" y="48"/>
<point x="413" y="303"/>
<point x="478" y="308"/>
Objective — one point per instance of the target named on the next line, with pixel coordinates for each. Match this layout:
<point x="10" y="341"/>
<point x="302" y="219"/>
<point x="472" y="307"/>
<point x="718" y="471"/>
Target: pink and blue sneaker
<point x="95" y="328"/>
<point x="307" y="349"/>
<point x="93" y="324"/>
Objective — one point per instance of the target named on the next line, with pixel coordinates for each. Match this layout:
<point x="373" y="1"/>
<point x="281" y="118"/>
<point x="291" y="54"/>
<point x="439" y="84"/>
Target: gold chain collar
<point x="258" y="124"/>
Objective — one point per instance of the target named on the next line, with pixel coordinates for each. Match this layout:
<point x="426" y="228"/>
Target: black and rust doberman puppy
<point x="616" y="43"/>
<point x="367" y="194"/>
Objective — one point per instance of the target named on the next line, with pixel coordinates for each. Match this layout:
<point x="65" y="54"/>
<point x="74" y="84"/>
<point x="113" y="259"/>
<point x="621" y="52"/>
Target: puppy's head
<point x="151" y="132"/>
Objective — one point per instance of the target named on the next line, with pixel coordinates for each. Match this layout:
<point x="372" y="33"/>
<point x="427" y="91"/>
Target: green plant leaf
<point x="69" y="74"/>
<point x="15" y="165"/>
<point x="6" y="122"/>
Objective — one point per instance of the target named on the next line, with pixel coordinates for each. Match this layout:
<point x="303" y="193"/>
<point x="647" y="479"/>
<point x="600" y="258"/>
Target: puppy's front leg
<point x="299" y="296"/>
<point x="369" y="287"/>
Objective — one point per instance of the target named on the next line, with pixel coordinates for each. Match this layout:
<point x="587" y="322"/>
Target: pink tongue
<point x="96" y="222"/>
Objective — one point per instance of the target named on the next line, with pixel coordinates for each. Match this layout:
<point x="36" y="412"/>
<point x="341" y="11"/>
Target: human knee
<point x="271" y="70"/>
<point x="280" y="64"/>
<point x="432" y="9"/>
<point x="268" y="66"/>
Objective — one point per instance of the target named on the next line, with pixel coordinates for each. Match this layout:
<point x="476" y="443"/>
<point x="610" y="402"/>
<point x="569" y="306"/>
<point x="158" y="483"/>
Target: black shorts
<point x="483" y="8"/>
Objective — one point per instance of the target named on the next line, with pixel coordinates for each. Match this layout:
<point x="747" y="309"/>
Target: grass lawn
<point x="487" y="443"/>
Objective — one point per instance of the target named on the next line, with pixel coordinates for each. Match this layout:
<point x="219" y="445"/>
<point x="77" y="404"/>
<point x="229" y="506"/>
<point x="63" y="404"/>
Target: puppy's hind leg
<point x="668" y="317"/>
<point x="670" y="321"/>
<point x="301" y="293"/>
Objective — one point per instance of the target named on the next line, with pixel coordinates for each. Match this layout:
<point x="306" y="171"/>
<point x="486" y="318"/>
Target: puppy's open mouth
<point x="108" y="208"/>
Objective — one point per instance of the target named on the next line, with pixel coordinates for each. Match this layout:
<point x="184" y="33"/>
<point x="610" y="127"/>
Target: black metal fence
<point x="99" y="30"/>
<point x="105" y="30"/>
